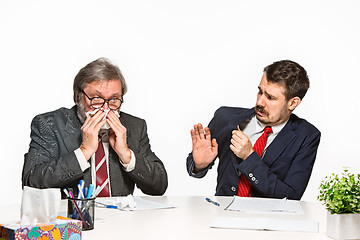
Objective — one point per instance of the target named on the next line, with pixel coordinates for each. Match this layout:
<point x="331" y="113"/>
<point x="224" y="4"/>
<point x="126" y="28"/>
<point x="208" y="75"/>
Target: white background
<point x="182" y="60"/>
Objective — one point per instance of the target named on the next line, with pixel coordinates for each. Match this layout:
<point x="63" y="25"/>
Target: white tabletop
<point x="190" y="219"/>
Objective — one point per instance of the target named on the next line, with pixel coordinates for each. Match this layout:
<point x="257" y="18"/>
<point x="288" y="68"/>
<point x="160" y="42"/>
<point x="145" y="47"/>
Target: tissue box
<point x="61" y="229"/>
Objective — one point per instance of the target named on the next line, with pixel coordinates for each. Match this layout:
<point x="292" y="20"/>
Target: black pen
<point x="211" y="201"/>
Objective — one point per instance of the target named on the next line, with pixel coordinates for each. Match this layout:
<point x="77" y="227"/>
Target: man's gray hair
<point x="99" y="70"/>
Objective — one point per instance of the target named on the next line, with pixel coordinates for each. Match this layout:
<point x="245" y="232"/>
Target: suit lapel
<point x="278" y="145"/>
<point x="117" y="178"/>
<point x="72" y="132"/>
<point x="235" y="120"/>
<point x="238" y="118"/>
<point x="124" y="121"/>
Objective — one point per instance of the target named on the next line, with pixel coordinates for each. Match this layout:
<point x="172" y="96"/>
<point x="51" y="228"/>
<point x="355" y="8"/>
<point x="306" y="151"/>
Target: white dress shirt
<point x="253" y="128"/>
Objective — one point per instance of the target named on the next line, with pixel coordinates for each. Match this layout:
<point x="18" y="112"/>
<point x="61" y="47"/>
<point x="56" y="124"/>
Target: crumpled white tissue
<point x="127" y="202"/>
<point x="40" y="205"/>
<point x="106" y="125"/>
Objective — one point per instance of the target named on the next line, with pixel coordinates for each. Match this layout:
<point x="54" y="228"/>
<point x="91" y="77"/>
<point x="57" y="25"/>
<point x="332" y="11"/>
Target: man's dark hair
<point x="99" y="70"/>
<point x="291" y="74"/>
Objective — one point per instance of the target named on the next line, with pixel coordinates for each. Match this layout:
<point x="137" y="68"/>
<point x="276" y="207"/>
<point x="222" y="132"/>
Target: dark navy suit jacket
<point x="285" y="168"/>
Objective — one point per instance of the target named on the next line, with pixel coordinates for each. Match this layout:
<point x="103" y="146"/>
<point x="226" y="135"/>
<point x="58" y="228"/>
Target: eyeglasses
<point x="98" y="102"/>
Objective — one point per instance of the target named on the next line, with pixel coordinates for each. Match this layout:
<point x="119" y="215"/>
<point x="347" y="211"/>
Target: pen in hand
<point x="213" y="202"/>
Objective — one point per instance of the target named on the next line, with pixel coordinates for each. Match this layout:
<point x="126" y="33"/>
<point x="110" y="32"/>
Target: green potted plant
<point x="341" y="197"/>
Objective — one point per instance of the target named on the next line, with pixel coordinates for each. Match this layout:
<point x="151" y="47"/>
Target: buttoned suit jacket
<point x="284" y="170"/>
<point x="52" y="163"/>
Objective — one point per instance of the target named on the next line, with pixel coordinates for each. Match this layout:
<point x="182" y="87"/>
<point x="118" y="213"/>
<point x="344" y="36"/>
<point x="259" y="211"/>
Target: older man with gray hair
<point x="94" y="141"/>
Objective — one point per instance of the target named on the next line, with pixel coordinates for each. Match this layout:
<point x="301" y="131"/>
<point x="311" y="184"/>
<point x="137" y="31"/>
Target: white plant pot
<point x="343" y="226"/>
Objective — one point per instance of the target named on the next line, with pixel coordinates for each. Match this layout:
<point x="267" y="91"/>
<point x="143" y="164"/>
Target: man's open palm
<point x="204" y="149"/>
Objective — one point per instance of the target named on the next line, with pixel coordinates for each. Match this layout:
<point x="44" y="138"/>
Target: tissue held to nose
<point x="106" y="125"/>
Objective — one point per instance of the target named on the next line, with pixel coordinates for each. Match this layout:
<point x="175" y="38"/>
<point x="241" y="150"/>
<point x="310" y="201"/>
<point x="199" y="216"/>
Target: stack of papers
<point x="273" y="224"/>
<point x="265" y="205"/>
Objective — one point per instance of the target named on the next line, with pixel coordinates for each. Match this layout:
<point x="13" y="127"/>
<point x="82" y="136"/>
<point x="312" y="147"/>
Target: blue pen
<point x="90" y="191"/>
<point x="111" y="206"/>
<point x="82" y="185"/>
<point x="107" y="206"/>
<point x="80" y="192"/>
<point x="211" y="201"/>
<point x="85" y="192"/>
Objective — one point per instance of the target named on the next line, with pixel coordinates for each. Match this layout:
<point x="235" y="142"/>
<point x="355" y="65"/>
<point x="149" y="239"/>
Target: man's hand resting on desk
<point x="204" y="149"/>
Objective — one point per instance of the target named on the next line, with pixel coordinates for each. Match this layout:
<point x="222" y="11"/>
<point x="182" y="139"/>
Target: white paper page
<point x="240" y="223"/>
<point x="265" y="205"/>
<point x="265" y="224"/>
<point x="293" y="225"/>
<point x="141" y="204"/>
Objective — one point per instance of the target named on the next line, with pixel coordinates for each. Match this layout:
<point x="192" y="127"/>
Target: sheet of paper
<point x="265" y="205"/>
<point x="141" y="204"/>
<point x="265" y="224"/>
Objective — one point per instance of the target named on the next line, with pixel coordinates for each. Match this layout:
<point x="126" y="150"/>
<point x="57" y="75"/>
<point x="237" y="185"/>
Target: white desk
<point x="190" y="219"/>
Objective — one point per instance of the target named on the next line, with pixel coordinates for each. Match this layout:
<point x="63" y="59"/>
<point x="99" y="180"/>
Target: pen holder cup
<point x="83" y="210"/>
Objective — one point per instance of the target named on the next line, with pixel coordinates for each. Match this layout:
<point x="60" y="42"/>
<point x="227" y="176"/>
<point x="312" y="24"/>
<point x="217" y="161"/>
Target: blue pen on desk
<point x="107" y="206"/>
<point x="211" y="201"/>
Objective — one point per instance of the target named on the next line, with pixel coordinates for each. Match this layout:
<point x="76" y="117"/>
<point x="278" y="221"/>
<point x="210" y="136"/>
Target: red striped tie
<point x="244" y="184"/>
<point x="102" y="176"/>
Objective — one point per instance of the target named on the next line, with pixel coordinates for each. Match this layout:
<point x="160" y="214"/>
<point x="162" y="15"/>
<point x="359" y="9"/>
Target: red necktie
<point x="102" y="176"/>
<point x="244" y="184"/>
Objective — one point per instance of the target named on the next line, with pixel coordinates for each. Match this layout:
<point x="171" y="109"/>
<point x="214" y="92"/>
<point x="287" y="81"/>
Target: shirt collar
<point x="259" y="127"/>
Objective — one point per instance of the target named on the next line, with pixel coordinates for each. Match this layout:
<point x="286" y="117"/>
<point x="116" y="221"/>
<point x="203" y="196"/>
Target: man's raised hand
<point x="205" y="150"/>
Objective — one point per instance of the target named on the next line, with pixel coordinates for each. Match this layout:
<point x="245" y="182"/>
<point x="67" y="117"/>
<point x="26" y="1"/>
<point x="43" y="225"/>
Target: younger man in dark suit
<point x="274" y="164"/>
<point x="94" y="141"/>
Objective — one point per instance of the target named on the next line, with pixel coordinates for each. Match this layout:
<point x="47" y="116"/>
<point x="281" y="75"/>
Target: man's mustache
<point x="261" y="109"/>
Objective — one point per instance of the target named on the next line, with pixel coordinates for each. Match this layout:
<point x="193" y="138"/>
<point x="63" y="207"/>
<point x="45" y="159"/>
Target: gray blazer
<point x="51" y="161"/>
